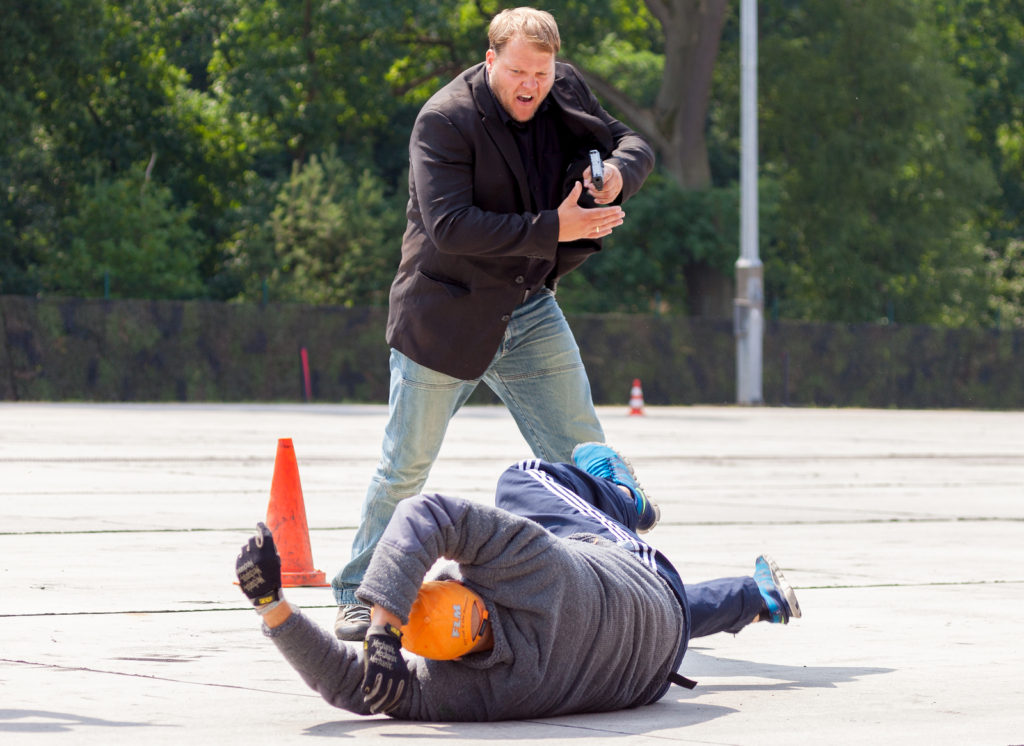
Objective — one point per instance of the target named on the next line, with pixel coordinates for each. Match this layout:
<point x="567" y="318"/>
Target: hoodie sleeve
<point x="331" y="668"/>
<point x="426" y="528"/>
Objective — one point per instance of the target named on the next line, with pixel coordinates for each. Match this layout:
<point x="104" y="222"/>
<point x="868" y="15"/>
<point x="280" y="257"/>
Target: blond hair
<point x="537" y="27"/>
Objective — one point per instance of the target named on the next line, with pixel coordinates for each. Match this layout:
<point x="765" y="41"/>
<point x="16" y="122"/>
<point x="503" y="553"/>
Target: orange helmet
<point x="445" y="622"/>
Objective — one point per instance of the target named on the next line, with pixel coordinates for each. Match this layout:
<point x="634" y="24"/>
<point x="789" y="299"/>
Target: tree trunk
<point x="693" y="30"/>
<point x="675" y="126"/>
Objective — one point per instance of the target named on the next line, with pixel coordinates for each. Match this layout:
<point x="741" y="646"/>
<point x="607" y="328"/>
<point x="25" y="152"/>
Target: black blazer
<point x="470" y="241"/>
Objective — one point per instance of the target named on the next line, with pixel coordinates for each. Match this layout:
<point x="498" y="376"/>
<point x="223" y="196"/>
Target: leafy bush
<point x="337" y="234"/>
<point x="645" y="262"/>
<point x="126" y="236"/>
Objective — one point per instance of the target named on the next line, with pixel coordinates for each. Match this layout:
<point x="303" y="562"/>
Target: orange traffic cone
<point x="636" y="398"/>
<point x="286" y="519"/>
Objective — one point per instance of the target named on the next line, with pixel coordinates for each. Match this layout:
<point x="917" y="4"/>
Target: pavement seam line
<point x="822" y="522"/>
<point x="936" y="584"/>
<point x="86" y="669"/>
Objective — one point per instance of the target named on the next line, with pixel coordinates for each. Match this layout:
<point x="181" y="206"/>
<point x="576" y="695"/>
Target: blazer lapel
<point x="580" y="123"/>
<point x="498" y="131"/>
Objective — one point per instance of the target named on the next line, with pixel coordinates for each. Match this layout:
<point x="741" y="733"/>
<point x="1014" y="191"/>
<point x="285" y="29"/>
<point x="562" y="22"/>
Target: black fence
<point x="122" y="350"/>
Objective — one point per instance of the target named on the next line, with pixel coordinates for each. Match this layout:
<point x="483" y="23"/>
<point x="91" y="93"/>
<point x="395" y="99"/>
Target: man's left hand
<point x="258" y="568"/>
<point x="385" y="673"/>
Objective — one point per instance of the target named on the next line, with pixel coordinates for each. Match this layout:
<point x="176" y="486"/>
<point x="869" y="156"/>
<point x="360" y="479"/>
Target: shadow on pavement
<point x="697" y="665"/>
<point x="46" y="721"/>
<point x="642" y="720"/>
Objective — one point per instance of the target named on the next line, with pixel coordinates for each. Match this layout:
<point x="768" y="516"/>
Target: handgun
<point x="596" y="170"/>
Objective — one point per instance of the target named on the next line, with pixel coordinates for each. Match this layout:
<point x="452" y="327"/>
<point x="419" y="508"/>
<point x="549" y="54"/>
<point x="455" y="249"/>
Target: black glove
<point x="258" y="568"/>
<point x="385" y="675"/>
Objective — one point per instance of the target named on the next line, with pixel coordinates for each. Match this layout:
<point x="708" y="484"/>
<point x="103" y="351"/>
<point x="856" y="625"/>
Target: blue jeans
<point x="537" y="373"/>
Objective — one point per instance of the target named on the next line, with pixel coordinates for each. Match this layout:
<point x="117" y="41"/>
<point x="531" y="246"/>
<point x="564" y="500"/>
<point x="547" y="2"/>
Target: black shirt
<point x="541" y="147"/>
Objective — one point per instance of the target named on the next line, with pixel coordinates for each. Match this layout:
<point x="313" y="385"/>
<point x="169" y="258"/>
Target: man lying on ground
<point x="558" y="605"/>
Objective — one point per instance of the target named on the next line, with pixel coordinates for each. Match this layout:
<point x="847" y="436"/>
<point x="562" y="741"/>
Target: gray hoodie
<point x="580" y="625"/>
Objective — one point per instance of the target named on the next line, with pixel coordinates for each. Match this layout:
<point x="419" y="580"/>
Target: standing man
<point x="501" y="205"/>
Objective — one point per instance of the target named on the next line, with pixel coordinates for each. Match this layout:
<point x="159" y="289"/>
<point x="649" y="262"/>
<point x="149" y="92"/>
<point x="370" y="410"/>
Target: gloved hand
<point x="385" y="674"/>
<point x="258" y="568"/>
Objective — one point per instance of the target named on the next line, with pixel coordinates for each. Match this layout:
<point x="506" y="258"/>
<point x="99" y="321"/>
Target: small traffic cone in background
<point x="636" y="398"/>
<point x="286" y="519"/>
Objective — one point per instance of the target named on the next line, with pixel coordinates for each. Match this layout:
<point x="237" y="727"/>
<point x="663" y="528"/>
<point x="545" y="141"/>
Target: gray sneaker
<point x="352" y="622"/>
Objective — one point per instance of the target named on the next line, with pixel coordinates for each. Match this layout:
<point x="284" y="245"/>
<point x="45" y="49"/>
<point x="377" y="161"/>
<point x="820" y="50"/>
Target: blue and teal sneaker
<point x="600" y="460"/>
<point x="779" y="598"/>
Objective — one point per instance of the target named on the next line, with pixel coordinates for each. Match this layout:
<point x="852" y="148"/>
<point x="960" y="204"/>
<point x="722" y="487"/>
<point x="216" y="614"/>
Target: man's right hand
<point x="385" y="674"/>
<point x="575" y="222"/>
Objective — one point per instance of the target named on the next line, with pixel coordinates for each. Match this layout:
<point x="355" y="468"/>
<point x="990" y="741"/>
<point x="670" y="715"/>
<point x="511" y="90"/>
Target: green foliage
<point x="985" y="39"/>
<point x="1006" y="271"/>
<point x="864" y="128"/>
<point x="336" y="235"/>
<point x="892" y="150"/>
<point x="127" y="234"/>
<point x="645" y="263"/>
<point x="585" y="25"/>
<point x="637" y="70"/>
<point x="434" y="41"/>
<point x="310" y="74"/>
<point x="29" y="203"/>
<point x="97" y="91"/>
<point x="46" y="48"/>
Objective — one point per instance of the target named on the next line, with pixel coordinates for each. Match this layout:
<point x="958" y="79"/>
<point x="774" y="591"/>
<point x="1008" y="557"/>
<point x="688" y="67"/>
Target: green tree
<point x="46" y="48"/>
<point x="986" y="42"/>
<point x="653" y="63"/>
<point x="88" y="86"/>
<point x="148" y="107"/>
<point x="311" y="75"/>
<point x="305" y="79"/>
<point x="882" y="126"/>
<point x="336" y="235"/>
<point x="127" y="237"/>
<point x="1006" y="272"/>
<point x="641" y="268"/>
<point x="864" y="127"/>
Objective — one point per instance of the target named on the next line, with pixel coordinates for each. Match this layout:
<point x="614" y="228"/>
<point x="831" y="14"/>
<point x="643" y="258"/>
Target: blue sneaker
<point x="778" y="595"/>
<point x="600" y="460"/>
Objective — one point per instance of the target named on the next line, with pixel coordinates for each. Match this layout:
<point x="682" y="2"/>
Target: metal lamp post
<point x="748" y="305"/>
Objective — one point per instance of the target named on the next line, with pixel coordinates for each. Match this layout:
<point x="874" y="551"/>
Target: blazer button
<point x="506" y="318"/>
<point x="520" y="280"/>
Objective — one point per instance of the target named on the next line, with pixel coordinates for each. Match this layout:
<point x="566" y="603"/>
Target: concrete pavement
<point x="903" y="532"/>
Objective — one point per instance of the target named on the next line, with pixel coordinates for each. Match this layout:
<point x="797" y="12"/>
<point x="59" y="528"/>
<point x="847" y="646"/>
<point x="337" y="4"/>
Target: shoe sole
<point x="632" y="475"/>
<point x="784" y="587"/>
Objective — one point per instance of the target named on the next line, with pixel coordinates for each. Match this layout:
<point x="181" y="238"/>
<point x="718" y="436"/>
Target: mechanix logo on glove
<point x="385" y="673"/>
<point x="250" y="577"/>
